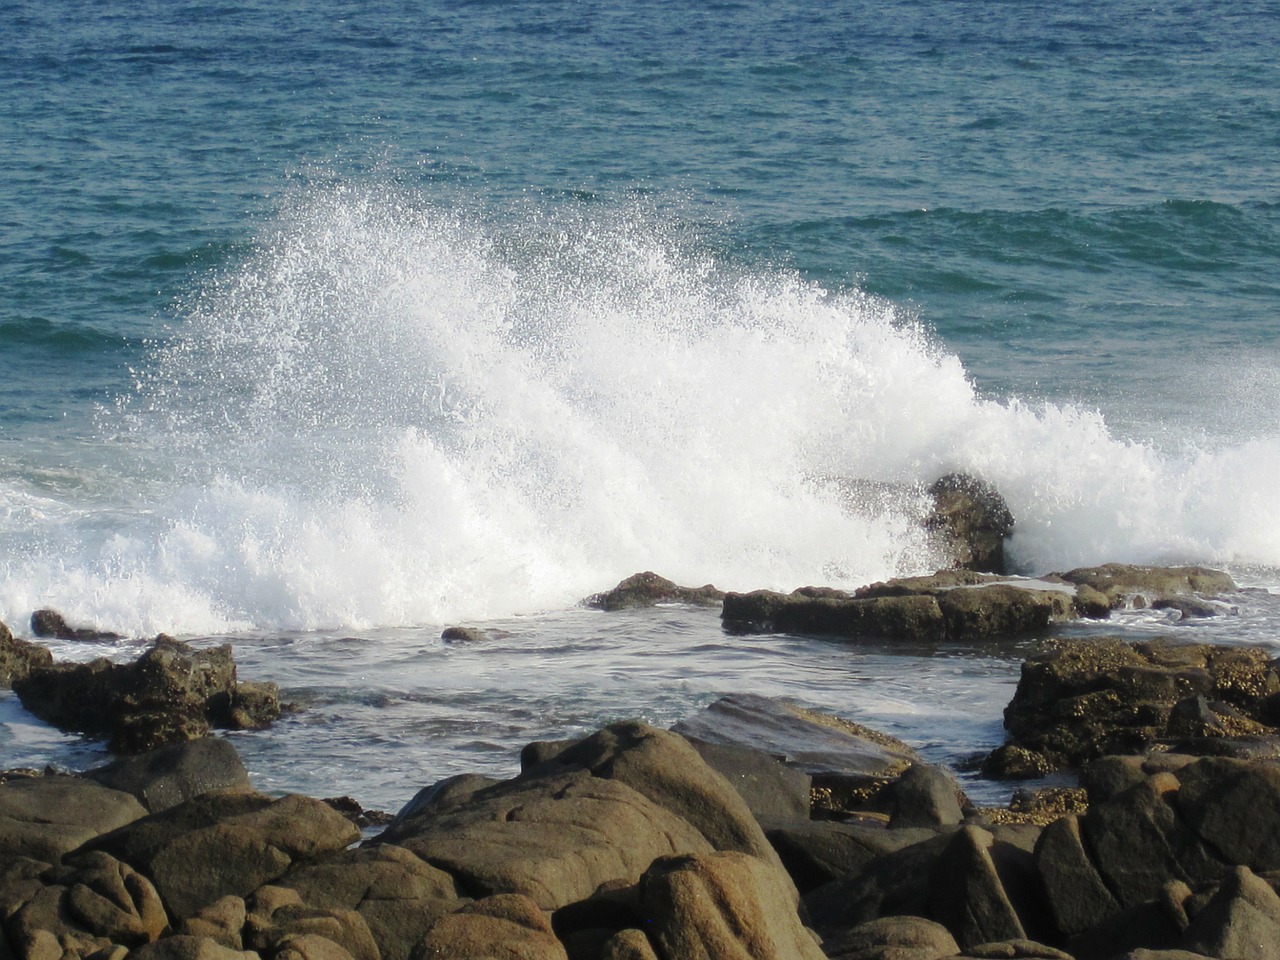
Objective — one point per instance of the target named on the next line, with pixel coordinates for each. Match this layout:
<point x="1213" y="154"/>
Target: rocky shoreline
<point x="755" y="829"/>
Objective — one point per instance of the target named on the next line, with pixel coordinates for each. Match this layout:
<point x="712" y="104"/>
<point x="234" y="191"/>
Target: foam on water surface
<point x="393" y="412"/>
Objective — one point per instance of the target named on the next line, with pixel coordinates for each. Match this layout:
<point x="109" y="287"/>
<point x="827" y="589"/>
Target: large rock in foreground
<point x="173" y="692"/>
<point x="1081" y="699"/>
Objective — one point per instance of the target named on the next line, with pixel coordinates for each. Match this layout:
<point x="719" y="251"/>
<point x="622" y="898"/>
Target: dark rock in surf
<point x="1081" y="699"/>
<point x="952" y="606"/>
<point x="972" y="519"/>
<point x="50" y="623"/>
<point x="648" y="589"/>
<point x="18" y="657"/>
<point x="1141" y="586"/>
<point x="462" y="635"/>
<point x="173" y="692"/>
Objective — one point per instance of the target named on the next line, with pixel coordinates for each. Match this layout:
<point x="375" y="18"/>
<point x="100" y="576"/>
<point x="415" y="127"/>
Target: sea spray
<point x="392" y="412"/>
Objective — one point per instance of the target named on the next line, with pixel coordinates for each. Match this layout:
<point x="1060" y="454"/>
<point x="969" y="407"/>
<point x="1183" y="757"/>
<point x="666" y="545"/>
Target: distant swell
<point x="394" y="413"/>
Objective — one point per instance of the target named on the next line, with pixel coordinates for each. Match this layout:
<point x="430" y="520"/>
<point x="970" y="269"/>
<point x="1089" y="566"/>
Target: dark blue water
<point x="338" y="319"/>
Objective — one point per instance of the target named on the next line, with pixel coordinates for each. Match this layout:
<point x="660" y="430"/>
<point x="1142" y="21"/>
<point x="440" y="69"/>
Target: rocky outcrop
<point x="1124" y="584"/>
<point x="648" y="589"/>
<point x="972" y="520"/>
<point x="951" y="606"/>
<point x="18" y="657"/>
<point x="1081" y="699"/>
<point x="173" y="692"/>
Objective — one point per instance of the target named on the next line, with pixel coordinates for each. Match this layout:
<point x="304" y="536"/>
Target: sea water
<point x="327" y="325"/>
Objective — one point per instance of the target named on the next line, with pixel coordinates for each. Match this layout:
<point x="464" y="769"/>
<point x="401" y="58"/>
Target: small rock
<point x="648" y="589"/>
<point x="50" y="623"/>
<point x="973" y="519"/>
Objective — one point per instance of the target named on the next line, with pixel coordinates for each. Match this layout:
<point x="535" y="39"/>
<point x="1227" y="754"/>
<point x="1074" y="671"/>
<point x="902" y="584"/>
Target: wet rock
<point x="848" y="763"/>
<point x="896" y="618"/>
<point x="226" y="843"/>
<point x="18" y="657"/>
<point x="1081" y="699"/>
<point x="173" y="692"/>
<point x="1188" y="608"/>
<point x="45" y="817"/>
<point x="505" y="925"/>
<point x="972" y="519"/>
<point x="949" y="606"/>
<point x="1123" y="583"/>
<point x="462" y="635"/>
<point x="50" y="623"/>
<point x="725" y="904"/>
<point x="173" y="774"/>
<point x="648" y="589"/>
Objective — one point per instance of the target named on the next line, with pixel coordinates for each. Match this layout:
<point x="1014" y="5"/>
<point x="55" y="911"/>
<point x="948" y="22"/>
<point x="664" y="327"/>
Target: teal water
<point x="335" y="319"/>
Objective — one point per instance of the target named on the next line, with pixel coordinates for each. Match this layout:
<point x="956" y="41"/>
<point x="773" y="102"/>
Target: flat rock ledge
<point x="957" y="605"/>
<point x="630" y="844"/>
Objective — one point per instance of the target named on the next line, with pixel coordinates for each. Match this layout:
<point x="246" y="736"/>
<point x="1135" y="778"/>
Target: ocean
<point x="327" y="325"/>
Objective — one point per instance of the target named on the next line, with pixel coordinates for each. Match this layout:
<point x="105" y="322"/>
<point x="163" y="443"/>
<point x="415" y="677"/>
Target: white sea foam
<point x="392" y="414"/>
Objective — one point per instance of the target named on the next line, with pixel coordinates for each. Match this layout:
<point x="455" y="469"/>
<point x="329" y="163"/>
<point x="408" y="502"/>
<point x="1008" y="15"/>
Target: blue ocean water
<point x="334" y="318"/>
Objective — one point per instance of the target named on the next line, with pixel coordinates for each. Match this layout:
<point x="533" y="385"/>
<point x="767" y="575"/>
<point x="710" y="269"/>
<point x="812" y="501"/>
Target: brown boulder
<point x="893" y="938"/>
<point x="554" y="839"/>
<point x="226" y="843"/>
<point x="723" y="906"/>
<point x="501" y="927"/>
<point x="45" y="817"/>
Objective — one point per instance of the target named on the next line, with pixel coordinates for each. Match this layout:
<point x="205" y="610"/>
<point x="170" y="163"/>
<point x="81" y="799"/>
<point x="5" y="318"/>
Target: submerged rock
<point x="1141" y="586"/>
<point x="173" y="692"/>
<point x="648" y="589"/>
